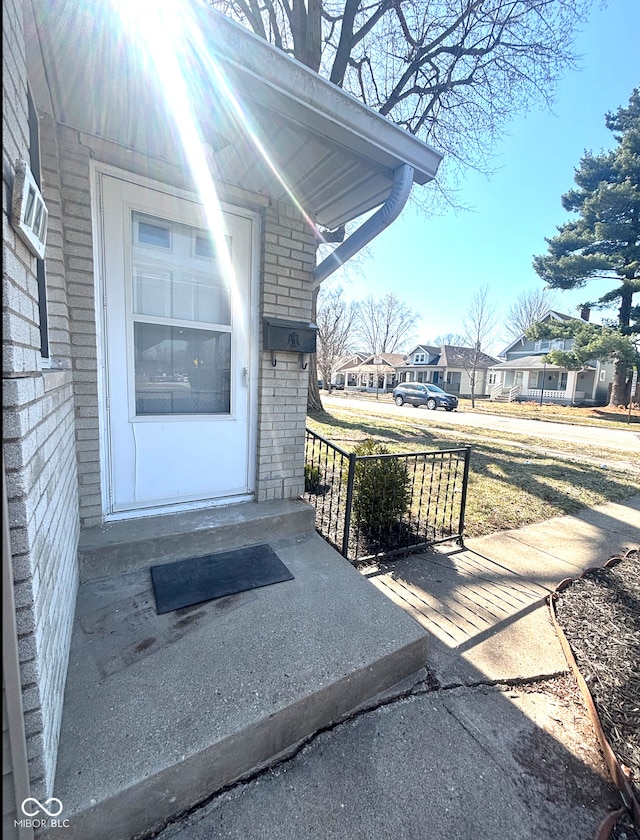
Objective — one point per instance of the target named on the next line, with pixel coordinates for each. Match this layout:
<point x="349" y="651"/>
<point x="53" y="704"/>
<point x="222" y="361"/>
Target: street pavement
<point x="626" y="439"/>
<point x="490" y="741"/>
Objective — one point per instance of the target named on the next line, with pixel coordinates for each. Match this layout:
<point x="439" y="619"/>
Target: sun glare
<point x="170" y="34"/>
<point x="159" y="31"/>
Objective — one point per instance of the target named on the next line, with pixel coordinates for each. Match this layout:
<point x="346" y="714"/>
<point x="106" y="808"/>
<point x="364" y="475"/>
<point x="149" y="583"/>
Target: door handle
<point x="245" y="376"/>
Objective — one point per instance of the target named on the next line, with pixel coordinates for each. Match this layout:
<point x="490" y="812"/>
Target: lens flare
<point x="170" y="34"/>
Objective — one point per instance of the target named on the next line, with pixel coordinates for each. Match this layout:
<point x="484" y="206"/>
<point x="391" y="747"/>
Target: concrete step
<point x="131" y="544"/>
<point x="161" y="711"/>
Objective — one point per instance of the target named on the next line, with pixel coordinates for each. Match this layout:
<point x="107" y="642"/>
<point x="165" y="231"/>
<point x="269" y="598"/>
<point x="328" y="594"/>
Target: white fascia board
<point x="519" y="340"/>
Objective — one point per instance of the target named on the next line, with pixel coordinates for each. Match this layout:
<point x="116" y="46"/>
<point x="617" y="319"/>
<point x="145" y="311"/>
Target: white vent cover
<point x="29" y="213"/>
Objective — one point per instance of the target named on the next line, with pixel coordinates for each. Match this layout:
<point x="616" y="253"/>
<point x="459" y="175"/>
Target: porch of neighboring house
<point x="422" y="374"/>
<point x="162" y="710"/>
<point x="534" y="380"/>
<point x="452" y="382"/>
<point x="370" y="377"/>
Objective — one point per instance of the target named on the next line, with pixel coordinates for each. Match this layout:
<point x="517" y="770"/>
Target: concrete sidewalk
<point x="492" y="742"/>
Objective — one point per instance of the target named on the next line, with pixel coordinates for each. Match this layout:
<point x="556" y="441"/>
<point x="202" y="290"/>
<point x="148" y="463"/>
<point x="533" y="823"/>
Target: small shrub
<point x="311" y="478"/>
<point x="380" y="488"/>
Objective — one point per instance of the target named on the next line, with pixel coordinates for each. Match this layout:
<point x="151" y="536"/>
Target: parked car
<point x="417" y="393"/>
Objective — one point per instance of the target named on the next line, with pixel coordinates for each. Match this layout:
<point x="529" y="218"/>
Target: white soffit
<point x="335" y="155"/>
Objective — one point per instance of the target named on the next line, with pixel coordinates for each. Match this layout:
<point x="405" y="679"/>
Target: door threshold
<point x="139" y="513"/>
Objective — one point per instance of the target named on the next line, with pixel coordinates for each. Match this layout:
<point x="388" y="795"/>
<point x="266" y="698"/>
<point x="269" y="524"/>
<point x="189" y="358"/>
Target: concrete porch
<point x="162" y="711"/>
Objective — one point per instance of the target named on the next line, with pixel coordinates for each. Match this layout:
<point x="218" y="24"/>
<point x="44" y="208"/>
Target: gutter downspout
<point x="389" y="212"/>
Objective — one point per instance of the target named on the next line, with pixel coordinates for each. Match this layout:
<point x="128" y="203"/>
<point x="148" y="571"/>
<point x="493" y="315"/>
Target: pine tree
<point x="603" y="241"/>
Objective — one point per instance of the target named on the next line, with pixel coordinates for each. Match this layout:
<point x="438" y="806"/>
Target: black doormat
<point x="189" y="582"/>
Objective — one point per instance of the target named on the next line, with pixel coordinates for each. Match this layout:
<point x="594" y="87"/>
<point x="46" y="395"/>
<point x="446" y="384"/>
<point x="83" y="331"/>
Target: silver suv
<point x="418" y="393"/>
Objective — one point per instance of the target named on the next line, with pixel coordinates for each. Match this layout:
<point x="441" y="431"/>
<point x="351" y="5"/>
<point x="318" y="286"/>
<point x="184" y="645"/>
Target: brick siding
<point x="288" y="259"/>
<point x="79" y="261"/>
<point x="39" y="449"/>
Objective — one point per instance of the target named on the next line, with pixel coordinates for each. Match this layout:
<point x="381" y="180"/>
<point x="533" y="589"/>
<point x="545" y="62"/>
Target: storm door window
<point x="181" y="371"/>
<point x="151" y="231"/>
<point x="181" y="321"/>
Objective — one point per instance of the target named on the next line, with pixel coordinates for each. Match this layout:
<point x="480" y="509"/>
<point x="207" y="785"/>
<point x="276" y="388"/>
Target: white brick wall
<point x="74" y="166"/>
<point x="38" y="443"/>
<point x="288" y="259"/>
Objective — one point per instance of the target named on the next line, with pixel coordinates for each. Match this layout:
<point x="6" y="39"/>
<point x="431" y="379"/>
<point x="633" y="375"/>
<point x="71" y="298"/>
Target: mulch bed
<point x="600" y="616"/>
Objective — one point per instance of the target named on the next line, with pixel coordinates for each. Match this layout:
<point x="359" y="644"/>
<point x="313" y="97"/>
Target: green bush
<point x="311" y="478"/>
<point x="380" y="488"/>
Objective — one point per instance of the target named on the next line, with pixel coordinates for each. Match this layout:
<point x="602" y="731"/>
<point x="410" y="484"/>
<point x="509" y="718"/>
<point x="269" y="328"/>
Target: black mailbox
<point x="290" y="336"/>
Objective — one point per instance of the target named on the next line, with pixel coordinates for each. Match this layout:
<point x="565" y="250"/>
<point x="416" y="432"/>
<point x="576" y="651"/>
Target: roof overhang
<point x="532" y="363"/>
<point x="287" y="131"/>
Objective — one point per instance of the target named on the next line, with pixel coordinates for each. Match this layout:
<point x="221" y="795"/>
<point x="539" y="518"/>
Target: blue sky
<point x="435" y="264"/>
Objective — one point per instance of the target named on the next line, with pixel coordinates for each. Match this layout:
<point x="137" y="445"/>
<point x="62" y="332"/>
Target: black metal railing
<point x="371" y="506"/>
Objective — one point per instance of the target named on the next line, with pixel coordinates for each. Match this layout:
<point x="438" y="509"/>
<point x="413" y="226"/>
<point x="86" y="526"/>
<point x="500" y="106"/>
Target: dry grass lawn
<point x="582" y="415"/>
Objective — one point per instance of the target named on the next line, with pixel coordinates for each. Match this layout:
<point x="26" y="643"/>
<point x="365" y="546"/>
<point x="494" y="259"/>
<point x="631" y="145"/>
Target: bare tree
<point x="529" y="308"/>
<point x="384" y="325"/>
<point x="452" y="339"/>
<point x="450" y="73"/>
<point x="479" y="328"/>
<point x="335" y="330"/>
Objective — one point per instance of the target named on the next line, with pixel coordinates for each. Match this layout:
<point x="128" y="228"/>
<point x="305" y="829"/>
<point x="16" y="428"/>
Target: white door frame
<point x="98" y="170"/>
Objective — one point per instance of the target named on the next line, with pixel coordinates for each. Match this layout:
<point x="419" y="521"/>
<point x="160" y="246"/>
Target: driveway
<point x="621" y="439"/>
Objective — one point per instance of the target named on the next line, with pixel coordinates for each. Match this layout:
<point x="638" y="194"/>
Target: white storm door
<point x="178" y="349"/>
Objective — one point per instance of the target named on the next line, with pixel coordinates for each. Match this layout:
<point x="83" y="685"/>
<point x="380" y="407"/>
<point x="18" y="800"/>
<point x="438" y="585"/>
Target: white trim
<point x="104" y="437"/>
<point x="159" y="510"/>
<point x="597" y="379"/>
<point x="98" y="170"/>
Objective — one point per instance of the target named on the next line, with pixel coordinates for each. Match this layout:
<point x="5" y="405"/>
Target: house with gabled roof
<point x="376" y="372"/>
<point x="165" y="182"/>
<point x="419" y="365"/>
<point x="525" y="374"/>
<point x="450" y="367"/>
<point x="346" y="364"/>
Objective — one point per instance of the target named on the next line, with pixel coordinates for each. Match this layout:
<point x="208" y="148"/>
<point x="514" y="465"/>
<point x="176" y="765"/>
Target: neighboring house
<point x="526" y="375"/>
<point x="373" y="373"/>
<point x="450" y="367"/>
<point x="346" y="364"/>
<point x="420" y="365"/>
<point x="138" y="376"/>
